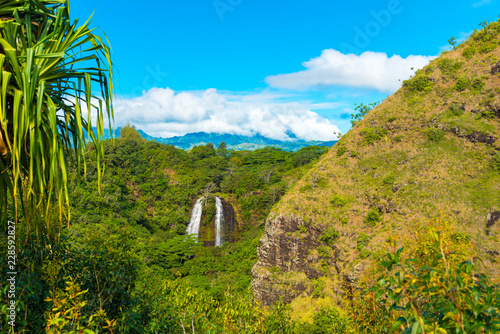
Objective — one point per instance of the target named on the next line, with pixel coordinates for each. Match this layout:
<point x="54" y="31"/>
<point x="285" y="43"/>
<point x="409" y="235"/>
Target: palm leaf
<point x="47" y="80"/>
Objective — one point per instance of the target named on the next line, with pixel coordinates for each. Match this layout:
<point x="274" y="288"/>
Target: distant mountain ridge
<point x="233" y="142"/>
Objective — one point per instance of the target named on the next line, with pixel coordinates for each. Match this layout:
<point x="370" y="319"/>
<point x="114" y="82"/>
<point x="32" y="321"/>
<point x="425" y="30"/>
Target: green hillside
<point x="430" y="151"/>
<point x="396" y="229"/>
<point x="126" y="242"/>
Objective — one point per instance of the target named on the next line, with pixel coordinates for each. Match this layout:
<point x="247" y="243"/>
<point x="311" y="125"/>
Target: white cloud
<point x="481" y="3"/>
<point x="374" y="70"/>
<point x="165" y="113"/>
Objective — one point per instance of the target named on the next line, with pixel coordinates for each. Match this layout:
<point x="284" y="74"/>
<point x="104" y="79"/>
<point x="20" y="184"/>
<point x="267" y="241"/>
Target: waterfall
<point x="194" y="223"/>
<point x="219" y="222"/>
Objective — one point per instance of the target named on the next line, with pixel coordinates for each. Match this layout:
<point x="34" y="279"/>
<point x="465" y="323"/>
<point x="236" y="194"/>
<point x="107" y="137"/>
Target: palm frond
<point x="47" y="81"/>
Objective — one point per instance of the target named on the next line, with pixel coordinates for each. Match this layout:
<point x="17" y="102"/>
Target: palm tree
<point x="53" y="71"/>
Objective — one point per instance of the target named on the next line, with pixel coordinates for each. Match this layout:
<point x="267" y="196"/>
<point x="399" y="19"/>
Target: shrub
<point x="392" y="119"/>
<point x="318" y="289"/>
<point x="371" y="135"/>
<point x="456" y="109"/>
<point x="420" y="84"/>
<point x="435" y="134"/>
<point x="373" y="217"/>
<point x="329" y="321"/>
<point x="398" y="138"/>
<point x="449" y="66"/>
<point x="341" y="150"/>
<point x="496" y="162"/>
<point x="389" y="180"/>
<point x="469" y="52"/>
<point x="488" y="114"/>
<point x="362" y="241"/>
<point x="329" y="236"/>
<point x="462" y="84"/>
<point x="478" y="84"/>
<point x="324" y="252"/>
<point x="354" y="154"/>
<point x="338" y="201"/>
<point x="487" y="47"/>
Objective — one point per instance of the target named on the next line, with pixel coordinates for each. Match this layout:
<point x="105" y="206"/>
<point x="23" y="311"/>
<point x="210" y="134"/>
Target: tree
<point x="130" y="132"/>
<point x="222" y="149"/>
<point x="47" y="83"/>
<point x="362" y="110"/>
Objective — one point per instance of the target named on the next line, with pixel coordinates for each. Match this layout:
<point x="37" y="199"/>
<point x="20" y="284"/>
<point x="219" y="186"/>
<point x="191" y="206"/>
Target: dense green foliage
<point x="434" y="286"/>
<point x="128" y="241"/>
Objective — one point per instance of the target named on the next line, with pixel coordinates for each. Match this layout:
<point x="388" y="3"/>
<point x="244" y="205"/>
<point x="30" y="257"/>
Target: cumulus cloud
<point x="374" y="70"/>
<point x="164" y="113"/>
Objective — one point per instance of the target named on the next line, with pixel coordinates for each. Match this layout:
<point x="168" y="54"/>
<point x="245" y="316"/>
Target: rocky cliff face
<point x="230" y="221"/>
<point x="286" y="260"/>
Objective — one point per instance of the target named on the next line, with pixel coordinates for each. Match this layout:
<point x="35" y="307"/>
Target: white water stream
<point x="219" y="222"/>
<point x="194" y="223"/>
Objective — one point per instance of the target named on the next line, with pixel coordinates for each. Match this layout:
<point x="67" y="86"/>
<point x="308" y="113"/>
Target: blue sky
<point x="247" y="66"/>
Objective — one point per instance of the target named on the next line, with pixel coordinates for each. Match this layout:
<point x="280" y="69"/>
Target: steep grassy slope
<point x="432" y="149"/>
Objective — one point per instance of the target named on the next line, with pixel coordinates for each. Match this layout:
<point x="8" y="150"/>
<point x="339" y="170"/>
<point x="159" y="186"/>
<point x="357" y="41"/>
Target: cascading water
<point x="194" y="223"/>
<point x="219" y="222"/>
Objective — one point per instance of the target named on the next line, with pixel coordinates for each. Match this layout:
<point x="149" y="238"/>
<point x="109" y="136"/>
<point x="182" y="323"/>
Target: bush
<point x="456" y="109"/>
<point x="389" y="180"/>
<point x="362" y="241"/>
<point x="462" y="84"/>
<point x="449" y="66"/>
<point x="469" y="52"/>
<point x="478" y="84"/>
<point x="329" y="321"/>
<point x="496" y="162"/>
<point x="371" y="135"/>
<point x="329" y="236"/>
<point x="341" y="150"/>
<point x="487" y="47"/>
<point x="435" y="134"/>
<point x="324" y="252"/>
<point x="373" y="217"/>
<point x="398" y="138"/>
<point x="354" y="154"/>
<point x="420" y="84"/>
<point x="318" y="289"/>
<point x="338" y="201"/>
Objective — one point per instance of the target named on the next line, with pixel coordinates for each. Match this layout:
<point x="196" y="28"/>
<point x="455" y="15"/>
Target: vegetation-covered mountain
<point x="233" y="142"/>
<point x="430" y="152"/>
<point x="236" y="142"/>
<point x="127" y="240"/>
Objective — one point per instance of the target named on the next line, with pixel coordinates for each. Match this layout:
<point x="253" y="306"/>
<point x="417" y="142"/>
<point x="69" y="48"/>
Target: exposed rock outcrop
<point x="230" y="221"/>
<point x="284" y="259"/>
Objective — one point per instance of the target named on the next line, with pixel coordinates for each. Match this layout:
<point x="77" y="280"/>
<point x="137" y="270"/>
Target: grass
<point x="413" y="161"/>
